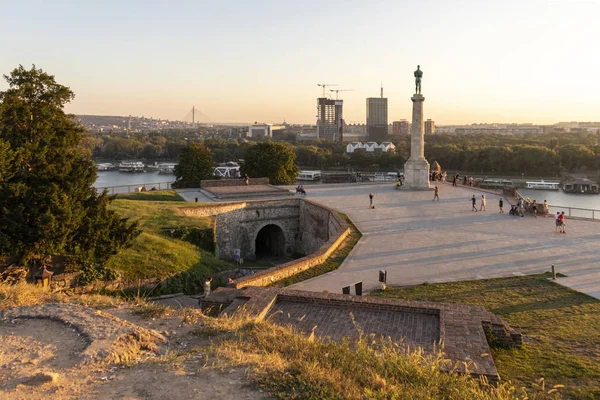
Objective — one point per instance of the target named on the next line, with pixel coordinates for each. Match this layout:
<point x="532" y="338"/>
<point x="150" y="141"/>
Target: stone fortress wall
<point x="295" y="226"/>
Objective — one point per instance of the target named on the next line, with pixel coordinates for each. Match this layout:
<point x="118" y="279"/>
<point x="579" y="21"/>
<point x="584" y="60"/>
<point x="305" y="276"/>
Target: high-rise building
<point x="401" y="127"/>
<point x="377" y="118"/>
<point x="429" y="127"/>
<point x="330" y="119"/>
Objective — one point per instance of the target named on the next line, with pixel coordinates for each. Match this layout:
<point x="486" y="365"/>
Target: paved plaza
<point x="418" y="240"/>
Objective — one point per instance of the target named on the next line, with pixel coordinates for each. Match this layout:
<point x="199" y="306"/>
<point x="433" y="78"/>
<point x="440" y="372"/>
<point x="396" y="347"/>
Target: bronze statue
<point x="418" y="76"/>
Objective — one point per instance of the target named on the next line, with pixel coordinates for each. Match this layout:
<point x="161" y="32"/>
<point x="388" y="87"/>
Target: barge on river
<point x="581" y="186"/>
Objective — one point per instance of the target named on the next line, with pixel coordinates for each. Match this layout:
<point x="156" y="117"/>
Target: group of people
<point x="526" y="206"/>
<point x="437" y="176"/>
<point x="483" y="204"/>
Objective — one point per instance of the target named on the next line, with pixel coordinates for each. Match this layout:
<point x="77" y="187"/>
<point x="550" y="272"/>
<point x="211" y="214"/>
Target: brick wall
<point x="232" y="182"/>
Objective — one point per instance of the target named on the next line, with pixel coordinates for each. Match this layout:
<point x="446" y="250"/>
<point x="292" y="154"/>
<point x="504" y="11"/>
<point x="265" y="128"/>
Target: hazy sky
<point x="246" y="61"/>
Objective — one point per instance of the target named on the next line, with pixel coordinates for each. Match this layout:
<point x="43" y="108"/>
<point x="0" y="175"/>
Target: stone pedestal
<point x="416" y="168"/>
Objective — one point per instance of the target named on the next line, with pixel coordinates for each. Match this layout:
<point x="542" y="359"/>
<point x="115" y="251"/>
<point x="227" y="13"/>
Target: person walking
<point x="482" y="208"/>
<point x="562" y="221"/>
<point x="371" y="195"/>
<point x="474" y="204"/>
<point x="436" y="194"/>
<point x="546" y="209"/>
<point x="501" y="205"/>
<point x="207" y="283"/>
<point x="557" y="221"/>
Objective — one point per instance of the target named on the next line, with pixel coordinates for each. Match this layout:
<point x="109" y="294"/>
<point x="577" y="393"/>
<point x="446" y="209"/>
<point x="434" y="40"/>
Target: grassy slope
<point x="561" y="328"/>
<point x="155" y="254"/>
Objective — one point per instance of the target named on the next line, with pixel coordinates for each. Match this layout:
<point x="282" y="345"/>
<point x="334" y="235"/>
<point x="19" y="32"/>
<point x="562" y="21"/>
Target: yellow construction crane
<point x="324" y="85"/>
<point x="340" y="90"/>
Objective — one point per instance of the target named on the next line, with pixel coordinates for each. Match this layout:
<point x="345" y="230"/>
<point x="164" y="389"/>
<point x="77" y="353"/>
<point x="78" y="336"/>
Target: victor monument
<point x="416" y="169"/>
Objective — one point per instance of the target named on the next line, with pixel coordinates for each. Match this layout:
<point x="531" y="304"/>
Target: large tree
<point x="273" y="160"/>
<point x="195" y="164"/>
<point x="48" y="205"/>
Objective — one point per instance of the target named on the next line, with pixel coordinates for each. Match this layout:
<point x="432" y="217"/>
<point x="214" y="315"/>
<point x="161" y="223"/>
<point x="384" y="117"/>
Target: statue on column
<point x="418" y="76"/>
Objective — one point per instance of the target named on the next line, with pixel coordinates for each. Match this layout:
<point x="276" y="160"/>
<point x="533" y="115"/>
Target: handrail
<point x="573" y="212"/>
<point x="120" y="189"/>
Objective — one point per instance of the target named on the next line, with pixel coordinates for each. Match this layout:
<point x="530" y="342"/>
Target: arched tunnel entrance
<point x="270" y="241"/>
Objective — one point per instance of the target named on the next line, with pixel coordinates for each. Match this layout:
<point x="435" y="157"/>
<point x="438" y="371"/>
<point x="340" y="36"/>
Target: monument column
<point x="416" y="169"/>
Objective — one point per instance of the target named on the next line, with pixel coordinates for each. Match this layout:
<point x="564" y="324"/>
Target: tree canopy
<point x="48" y="205"/>
<point x="276" y="161"/>
<point x="195" y="164"/>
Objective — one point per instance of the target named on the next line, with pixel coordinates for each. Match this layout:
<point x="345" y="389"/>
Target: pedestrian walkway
<point x="417" y="240"/>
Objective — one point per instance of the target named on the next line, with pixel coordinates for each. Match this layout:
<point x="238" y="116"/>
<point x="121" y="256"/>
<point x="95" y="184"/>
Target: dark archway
<point x="270" y="241"/>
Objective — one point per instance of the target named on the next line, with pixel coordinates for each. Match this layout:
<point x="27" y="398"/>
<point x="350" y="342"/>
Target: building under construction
<point x="330" y="119"/>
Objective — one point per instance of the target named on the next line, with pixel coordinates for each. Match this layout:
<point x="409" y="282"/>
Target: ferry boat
<point x="542" y="185"/>
<point x="132" y="166"/>
<point x="309" y="176"/>
<point x="105" y="167"/>
<point x="496" y="183"/>
<point x="166" y="168"/>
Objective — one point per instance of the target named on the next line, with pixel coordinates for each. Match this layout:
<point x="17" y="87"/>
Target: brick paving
<point x="336" y="322"/>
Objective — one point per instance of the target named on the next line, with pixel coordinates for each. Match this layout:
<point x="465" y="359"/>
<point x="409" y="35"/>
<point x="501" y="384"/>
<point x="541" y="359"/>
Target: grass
<point x="561" y="328"/>
<point x="163" y="195"/>
<point x="293" y="366"/>
<point x="154" y="254"/>
<point x="332" y="263"/>
<point x="25" y="294"/>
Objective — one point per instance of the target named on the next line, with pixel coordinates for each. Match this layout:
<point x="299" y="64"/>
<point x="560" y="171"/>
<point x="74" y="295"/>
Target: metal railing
<point x="576" y="212"/>
<point x="570" y="212"/>
<point x="138" y="187"/>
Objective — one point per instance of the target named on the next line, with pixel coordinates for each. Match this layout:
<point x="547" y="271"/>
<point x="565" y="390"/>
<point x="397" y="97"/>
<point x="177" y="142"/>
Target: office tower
<point x="377" y="118"/>
<point x="429" y="127"/>
<point x="330" y="119"/>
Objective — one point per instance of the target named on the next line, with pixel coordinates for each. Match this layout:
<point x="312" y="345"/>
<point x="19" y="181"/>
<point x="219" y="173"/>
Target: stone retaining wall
<point x="279" y="272"/>
<point x="232" y="182"/>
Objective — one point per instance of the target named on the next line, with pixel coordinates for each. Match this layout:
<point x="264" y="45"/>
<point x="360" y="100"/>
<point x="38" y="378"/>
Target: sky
<point x="244" y="61"/>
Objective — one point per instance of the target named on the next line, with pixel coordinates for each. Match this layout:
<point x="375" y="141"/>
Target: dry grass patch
<point x="293" y="366"/>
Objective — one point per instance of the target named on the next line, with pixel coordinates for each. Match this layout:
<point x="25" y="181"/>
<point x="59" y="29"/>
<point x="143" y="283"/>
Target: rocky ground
<point x="71" y="351"/>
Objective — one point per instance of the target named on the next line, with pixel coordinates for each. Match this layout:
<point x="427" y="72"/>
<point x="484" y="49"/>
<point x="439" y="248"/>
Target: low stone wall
<point x="207" y="211"/>
<point x="279" y="272"/>
<point x="232" y="182"/>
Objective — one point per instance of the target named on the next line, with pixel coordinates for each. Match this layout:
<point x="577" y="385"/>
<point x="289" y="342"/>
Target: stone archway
<point x="270" y="241"/>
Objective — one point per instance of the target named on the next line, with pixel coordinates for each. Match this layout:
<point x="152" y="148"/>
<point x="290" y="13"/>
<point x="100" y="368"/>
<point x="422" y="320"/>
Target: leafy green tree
<point x="274" y="160"/>
<point x="195" y="165"/>
<point x="48" y="205"/>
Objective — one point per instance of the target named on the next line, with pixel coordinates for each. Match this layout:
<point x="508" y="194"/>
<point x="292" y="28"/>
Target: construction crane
<point x="340" y="90"/>
<point x="324" y="85"/>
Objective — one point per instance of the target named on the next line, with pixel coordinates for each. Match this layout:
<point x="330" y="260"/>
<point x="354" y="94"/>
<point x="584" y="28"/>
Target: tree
<point x="48" y="205"/>
<point x="273" y="160"/>
<point x="195" y="165"/>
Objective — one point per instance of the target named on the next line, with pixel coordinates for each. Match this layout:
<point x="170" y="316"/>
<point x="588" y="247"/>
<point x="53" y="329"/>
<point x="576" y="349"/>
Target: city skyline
<point x="509" y="62"/>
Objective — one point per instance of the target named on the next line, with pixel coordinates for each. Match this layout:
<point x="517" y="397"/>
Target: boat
<point x="166" y="168"/>
<point x="311" y="176"/>
<point x="543" y="185"/>
<point x="581" y="186"/>
<point x="132" y="166"/>
<point x="497" y="183"/>
<point x="105" y="167"/>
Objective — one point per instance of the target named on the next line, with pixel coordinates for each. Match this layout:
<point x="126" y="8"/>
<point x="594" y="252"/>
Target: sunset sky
<point x="246" y="61"/>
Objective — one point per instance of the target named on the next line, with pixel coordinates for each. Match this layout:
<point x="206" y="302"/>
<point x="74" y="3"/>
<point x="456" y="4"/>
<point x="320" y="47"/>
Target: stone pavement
<point x="417" y="240"/>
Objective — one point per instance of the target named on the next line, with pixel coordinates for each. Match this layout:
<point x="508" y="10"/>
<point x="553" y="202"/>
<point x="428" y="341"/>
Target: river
<point x="129" y="181"/>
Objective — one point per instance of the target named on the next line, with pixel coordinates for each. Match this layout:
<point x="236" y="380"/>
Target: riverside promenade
<point x="418" y="240"/>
